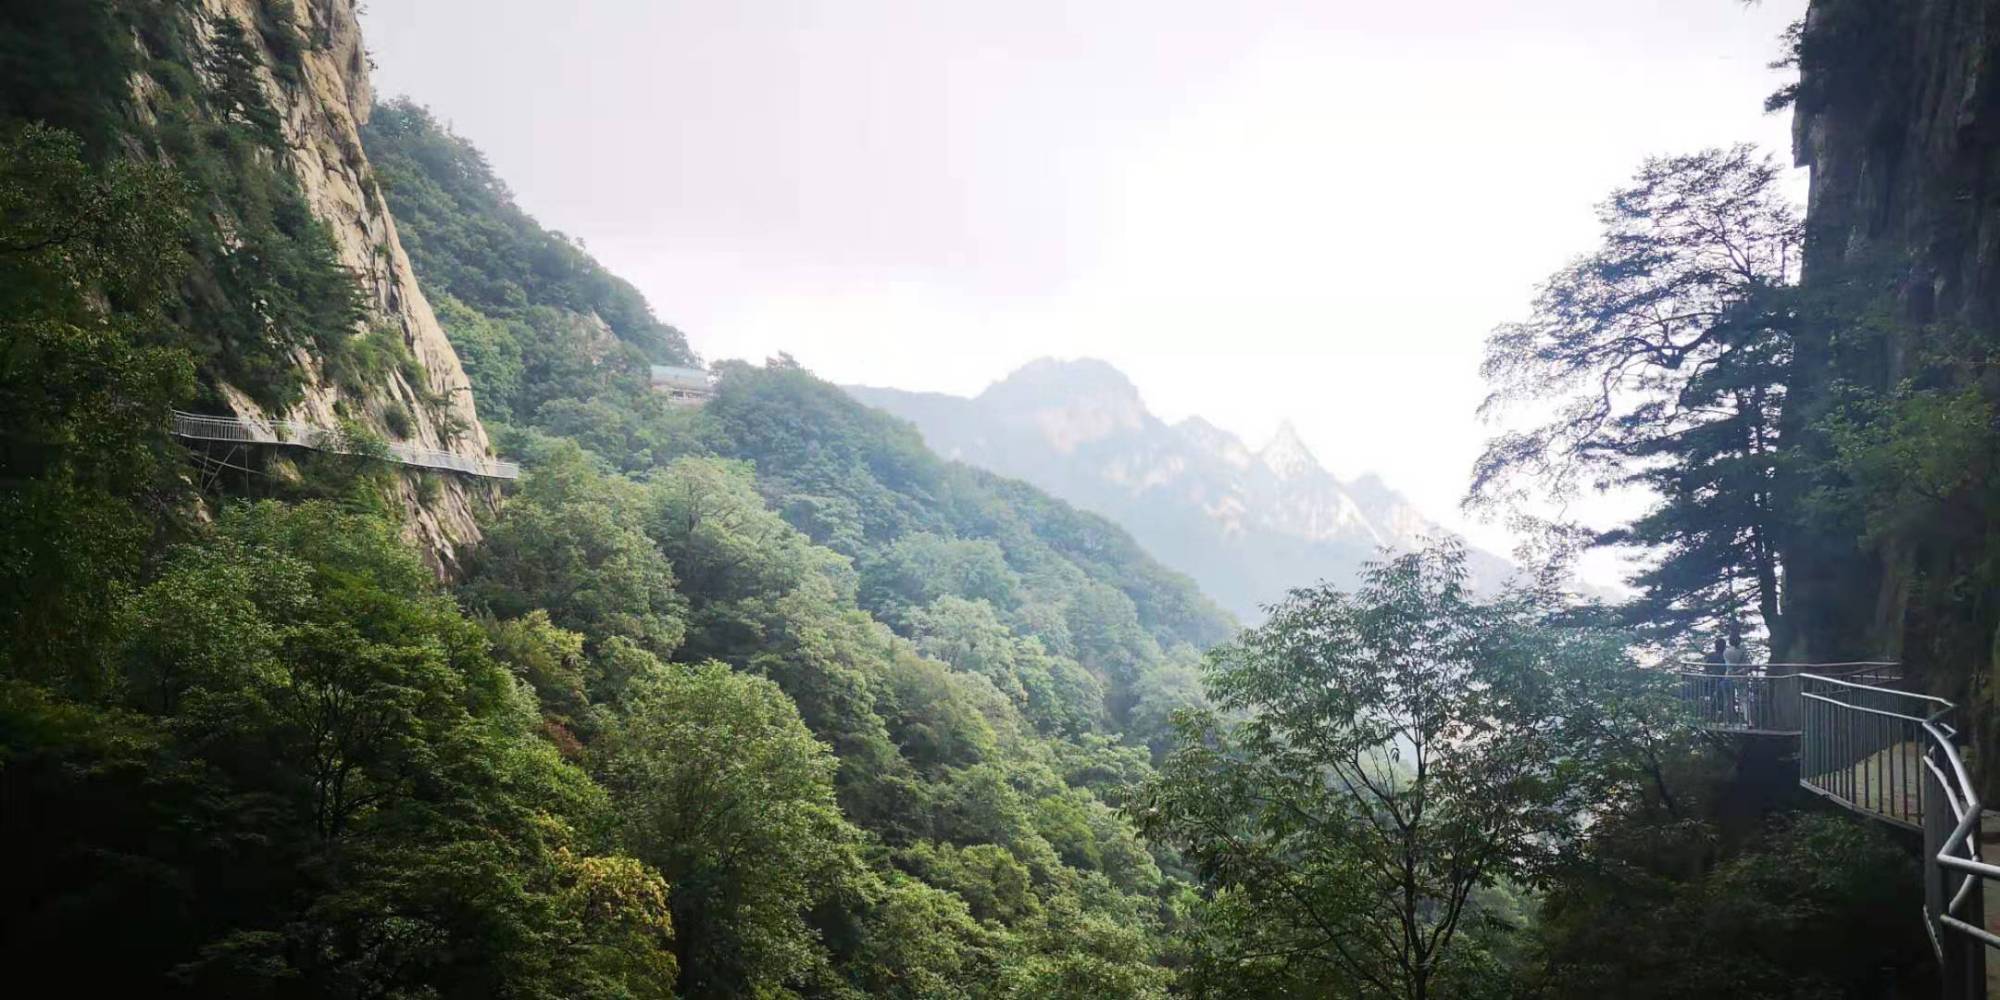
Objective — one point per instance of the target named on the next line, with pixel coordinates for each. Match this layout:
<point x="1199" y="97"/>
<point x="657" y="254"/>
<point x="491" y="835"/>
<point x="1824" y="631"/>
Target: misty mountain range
<point x="1246" y="524"/>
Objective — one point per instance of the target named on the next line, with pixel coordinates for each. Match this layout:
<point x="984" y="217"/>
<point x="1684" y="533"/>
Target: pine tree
<point x="1665" y="350"/>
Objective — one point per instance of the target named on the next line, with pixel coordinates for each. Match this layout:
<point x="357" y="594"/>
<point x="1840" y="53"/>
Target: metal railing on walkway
<point x="1766" y="698"/>
<point x="1863" y="746"/>
<point x="1884" y="753"/>
<point x="202" y="427"/>
<point x="1893" y="755"/>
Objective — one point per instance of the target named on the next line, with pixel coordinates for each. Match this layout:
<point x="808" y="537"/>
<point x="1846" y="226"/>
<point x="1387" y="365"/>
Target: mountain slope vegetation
<point x="987" y="665"/>
<point x="757" y="699"/>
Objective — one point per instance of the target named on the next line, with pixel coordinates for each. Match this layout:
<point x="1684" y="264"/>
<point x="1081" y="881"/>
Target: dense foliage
<point x="469" y="241"/>
<point x="262" y="756"/>
<point x="1421" y="793"/>
<point x="1815" y="905"/>
<point x="759" y="700"/>
<point x="84" y="468"/>
<point x="1669" y="343"/>
<point x="1396" y="756"/>
<point x="765" y="699"/>
<point x="985" y="665"/>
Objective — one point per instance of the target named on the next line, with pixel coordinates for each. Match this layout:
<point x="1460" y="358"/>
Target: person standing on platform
<point x="1736" y="662"/>
<point x="1716" y="666"/>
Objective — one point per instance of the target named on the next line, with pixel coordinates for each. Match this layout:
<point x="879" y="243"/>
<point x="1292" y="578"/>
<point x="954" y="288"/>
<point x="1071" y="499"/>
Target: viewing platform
<point x="1766" y="701"/>
<point x="1889" y="754"/>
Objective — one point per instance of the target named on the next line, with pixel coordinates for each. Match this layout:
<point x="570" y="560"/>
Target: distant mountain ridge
<point x="1246" y="524"/>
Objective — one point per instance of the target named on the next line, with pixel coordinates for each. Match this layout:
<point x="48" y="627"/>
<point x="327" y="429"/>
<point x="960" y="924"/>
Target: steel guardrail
<point x="203" y="427"/>
<point x="1765" y="697"/>
<point x="1860" y="746"/>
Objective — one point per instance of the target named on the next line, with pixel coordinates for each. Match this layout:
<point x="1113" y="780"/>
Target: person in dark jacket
<point x="1717" y="665"/>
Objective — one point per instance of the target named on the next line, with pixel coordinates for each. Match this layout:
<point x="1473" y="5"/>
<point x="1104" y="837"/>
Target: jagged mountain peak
<point x="1247" y="525"/>
<point x="1208" y="439"/>
<point x="1286" y="454"/>
<point x="1064" y="378"/>
<point x="1070" y="403"/>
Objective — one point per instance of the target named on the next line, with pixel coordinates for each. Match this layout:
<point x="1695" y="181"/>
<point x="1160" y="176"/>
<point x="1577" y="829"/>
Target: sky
<point x="1260" y="210"/>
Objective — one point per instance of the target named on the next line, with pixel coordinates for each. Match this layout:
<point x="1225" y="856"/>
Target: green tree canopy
<point x="1399" y="752"/>
<point x="570" y="544"/>
<point x="89" y="260"/>
<point x="726" y="793"/>
<point x="1660" y="359"/>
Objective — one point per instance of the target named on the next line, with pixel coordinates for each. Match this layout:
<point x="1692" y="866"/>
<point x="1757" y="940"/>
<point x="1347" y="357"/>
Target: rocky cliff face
<point x="321" y="101"/>
<point x="1898" y="116"/>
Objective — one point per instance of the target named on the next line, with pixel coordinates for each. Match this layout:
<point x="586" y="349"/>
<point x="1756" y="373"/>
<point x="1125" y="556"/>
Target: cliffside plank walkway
<point x="201" y="427"/>
<point x="1890" y="755"/>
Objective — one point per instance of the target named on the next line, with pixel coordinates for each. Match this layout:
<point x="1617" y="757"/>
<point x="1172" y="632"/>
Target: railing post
<point x="1974" y="952"/>
<point x="1961" y="960"/>
<point x="1809" y="735"/>
<point x="1972" y="955"/>
<point x="1935" y="897"/>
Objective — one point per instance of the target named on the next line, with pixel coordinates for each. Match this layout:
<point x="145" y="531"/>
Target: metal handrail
<point x="1944" y="707"/>
<point x="1759" y="703"/>
<point x="1859" y="708"/>
<point x="203" y="427"/>
<point x="1949" y="805"/>
<point x="1820" y="668"/>
<point x="1883" y="752"/>
<point x="1764" y="697"/>
<point x="1874" y="669"/>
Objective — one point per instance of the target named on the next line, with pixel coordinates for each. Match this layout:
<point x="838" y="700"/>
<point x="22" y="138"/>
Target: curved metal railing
<point x="1862" y="746"/>
<point x="1884" y="753"/>
<point x="1766" y="699"/>
<point x="1893" y="755"/>
<point x="202" y="427"/>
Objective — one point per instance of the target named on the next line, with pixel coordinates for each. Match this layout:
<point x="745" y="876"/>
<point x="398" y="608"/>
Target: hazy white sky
<point x="1258" y="209"/>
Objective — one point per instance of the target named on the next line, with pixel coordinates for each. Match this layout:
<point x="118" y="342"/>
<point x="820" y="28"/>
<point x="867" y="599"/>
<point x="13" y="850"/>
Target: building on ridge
<point x="683" y="386"/>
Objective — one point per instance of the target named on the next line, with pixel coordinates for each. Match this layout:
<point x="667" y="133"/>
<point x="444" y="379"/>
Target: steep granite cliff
<point x="321" y="100"/>
<point x="298" y="301"/>
<point x="1898" y="116"/>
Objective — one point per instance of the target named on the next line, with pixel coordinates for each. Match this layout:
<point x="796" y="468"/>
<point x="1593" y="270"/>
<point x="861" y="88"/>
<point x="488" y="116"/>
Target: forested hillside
<point x="756" y="699"/>
<point x="985" y="664"/>
<point x="763" y="698"/>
